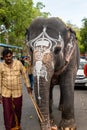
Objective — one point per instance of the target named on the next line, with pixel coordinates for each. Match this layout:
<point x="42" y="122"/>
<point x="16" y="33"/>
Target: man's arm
<point x="26" y="79"/>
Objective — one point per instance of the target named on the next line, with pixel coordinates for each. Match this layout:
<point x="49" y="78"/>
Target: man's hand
<point x="29" y="90"/>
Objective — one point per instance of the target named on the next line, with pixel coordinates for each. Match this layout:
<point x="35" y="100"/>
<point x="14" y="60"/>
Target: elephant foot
<point x="52" y="120"/>
<point x="45" y="126"/>
<point x="54" y="128"/>
<point x="67" y="124"/>
<point x="67" y="128"/>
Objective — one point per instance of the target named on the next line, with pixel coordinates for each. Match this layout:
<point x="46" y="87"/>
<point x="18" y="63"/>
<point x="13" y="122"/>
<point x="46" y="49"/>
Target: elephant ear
<point x="71" y="44"/>
<point x="70" y="32"/>
<point x="27" y="35"/>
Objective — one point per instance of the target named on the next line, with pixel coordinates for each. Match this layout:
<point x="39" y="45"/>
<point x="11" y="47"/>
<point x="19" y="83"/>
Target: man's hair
<point x="6" y="51"/>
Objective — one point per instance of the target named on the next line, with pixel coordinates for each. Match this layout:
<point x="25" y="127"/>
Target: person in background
<point x="11" y="73"/>
<point x="29" y="70"/>
<point x="22" y="60"/>
<point x="85" y="70"/>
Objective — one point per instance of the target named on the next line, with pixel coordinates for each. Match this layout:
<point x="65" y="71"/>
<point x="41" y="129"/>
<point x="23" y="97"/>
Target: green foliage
<point x="82" y="48"/>
<point x="37" y="11"/>
<point x="17" y="15"/>
<point x="4" y="12"/>
<point x="83" y="34"/>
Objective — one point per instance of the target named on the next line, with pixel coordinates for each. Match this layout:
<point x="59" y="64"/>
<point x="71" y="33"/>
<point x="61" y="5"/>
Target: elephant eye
<point x="31" y="49"/>
<point x="57" y="50"/>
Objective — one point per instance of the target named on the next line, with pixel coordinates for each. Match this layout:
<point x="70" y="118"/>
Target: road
<point x="30" y="119"/>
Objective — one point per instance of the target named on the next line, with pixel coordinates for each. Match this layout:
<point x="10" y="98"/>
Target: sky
<point x="68" y="10"/>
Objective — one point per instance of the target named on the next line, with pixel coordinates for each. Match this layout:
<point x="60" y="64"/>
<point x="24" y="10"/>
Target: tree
<point x="83" y="34"/>
<point x="37" y="11"/>
<point x="4" y="12"/>
<point x="17" y="15"/>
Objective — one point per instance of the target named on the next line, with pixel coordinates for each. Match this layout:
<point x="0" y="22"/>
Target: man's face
<point x="8" y="58"/>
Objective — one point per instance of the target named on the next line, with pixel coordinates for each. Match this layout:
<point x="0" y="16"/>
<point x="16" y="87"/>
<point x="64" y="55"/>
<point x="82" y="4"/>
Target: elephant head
<point x="54" y="51"/>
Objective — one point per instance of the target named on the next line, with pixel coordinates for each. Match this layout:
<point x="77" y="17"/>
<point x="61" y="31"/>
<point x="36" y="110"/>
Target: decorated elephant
<point x="55" y="57"/>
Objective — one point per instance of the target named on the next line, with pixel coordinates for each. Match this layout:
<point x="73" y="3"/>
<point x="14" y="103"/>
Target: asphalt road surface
<point x="30" y="119"/>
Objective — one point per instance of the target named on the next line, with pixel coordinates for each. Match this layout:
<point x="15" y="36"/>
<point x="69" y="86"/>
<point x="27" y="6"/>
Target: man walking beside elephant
<point x="11" y="89"/>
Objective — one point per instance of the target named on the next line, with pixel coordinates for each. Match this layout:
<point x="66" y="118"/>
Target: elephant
<point x="55" y="56"/>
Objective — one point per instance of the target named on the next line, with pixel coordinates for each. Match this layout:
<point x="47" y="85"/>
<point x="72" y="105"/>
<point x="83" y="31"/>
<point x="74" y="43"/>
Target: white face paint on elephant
<point x="41" y="48"/>
<point x="42" y="45"/>
<point x="40" y="70"/>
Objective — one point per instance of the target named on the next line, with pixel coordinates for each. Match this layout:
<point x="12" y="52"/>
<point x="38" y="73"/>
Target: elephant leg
<point x="67" y="124"/>
<point x="43" y="102"/>
<point x="67" y="128"/>
<point x="45" y="126"/>
<point x="67" y="100"/>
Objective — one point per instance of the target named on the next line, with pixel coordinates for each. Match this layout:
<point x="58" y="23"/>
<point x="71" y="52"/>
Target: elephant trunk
<point x="43" y="71"/>
<point x="42" y="98"/>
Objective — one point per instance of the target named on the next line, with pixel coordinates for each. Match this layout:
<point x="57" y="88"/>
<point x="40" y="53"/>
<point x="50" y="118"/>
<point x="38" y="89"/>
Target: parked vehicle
<point x="81" y="79"/>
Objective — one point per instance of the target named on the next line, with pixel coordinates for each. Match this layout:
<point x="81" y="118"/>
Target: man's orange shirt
<point x="11" y="79"/>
